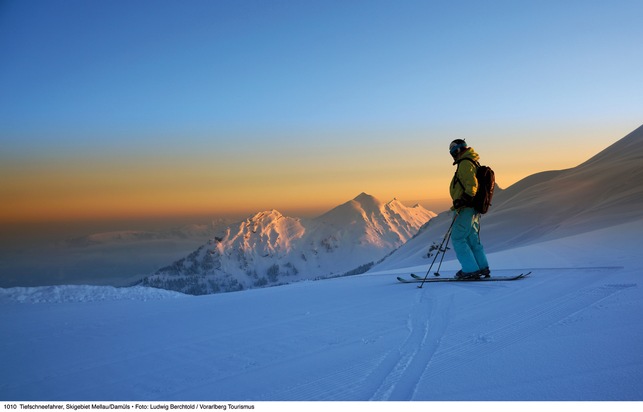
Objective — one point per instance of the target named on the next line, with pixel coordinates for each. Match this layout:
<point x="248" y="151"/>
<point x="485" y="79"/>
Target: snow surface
<point x="563" y="333"/>
<point x="570" y="331"/>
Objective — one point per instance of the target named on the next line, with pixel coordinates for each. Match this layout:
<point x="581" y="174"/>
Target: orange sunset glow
<point x="88" y="188"/>
<point x="111" y="115"/>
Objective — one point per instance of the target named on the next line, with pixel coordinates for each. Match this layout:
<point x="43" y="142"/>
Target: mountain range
<point x="269" y="248"/>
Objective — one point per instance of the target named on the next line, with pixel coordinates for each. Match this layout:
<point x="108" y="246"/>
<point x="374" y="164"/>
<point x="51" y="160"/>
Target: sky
<point x="160" y="109"/>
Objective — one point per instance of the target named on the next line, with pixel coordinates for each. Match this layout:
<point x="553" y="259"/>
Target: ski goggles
<point x="455" y="148"/>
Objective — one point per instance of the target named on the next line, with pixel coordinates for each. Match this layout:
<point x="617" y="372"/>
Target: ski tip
<point x="522" y="275"/>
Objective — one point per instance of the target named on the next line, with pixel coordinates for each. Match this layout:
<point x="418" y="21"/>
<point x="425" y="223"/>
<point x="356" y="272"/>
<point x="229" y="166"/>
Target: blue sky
<point x="229" y="93"/>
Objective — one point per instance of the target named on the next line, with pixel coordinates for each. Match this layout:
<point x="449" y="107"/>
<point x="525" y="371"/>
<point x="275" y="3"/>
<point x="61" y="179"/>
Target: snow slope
<point x="564" y="333"/>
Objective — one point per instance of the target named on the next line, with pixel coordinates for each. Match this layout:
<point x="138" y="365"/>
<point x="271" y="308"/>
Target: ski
<point x="416" y="279"/>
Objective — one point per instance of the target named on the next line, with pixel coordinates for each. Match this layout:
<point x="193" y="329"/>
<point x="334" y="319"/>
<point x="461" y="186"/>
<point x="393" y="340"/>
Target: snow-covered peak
<point x="267" y="216"/>
<point x="269" y="246"/>
<point x="366" y="208"/>
<point x="350" y="212"/>
<point x="366" y="200"/>
<point x="394" y="201"/>
<point x="266" y="233"/>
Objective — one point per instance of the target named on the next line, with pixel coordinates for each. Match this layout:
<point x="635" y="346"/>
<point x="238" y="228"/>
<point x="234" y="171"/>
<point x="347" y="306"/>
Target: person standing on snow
<point x="466" y="227"/>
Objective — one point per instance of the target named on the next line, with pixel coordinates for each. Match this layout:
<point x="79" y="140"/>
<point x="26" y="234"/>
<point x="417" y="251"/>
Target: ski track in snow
<point x="486" y="336"/>
<point x="403" y="366"/>
<point x="420" y="362"/>
<point x="361" y="338"/>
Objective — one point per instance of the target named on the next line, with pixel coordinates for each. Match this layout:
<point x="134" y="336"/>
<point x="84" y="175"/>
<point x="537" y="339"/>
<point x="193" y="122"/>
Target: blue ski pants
<point x="466" y="240"/>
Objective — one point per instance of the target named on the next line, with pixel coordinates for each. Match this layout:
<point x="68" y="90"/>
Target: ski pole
<point x="440" y="250"/>
<point x="444" y="252"/>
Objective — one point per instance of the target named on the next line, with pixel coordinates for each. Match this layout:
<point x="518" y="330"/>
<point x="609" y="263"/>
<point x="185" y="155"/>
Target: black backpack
<point x="486" y="182"/>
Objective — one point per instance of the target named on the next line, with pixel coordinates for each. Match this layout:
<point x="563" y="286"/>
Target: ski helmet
<point x="456" y="146"/>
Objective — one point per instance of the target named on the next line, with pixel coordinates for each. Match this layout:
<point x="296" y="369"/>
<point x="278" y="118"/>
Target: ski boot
<point x="467" y="275"/>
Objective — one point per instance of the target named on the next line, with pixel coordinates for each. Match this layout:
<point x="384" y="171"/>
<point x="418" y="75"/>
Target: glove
<point x="464" y="201"/>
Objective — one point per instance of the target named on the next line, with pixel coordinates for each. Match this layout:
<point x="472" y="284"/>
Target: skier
<point x="466" y="227"/>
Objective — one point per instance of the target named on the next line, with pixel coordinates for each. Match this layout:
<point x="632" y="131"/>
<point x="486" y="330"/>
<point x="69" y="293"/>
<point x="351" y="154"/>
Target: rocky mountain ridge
<point x="269" y="248"/>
